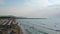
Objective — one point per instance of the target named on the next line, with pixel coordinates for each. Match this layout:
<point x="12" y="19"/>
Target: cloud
<point x="47" y="12"/>
<point x="40" y="4"/>
<point x="35" y="4"/>
<point x="32" y="8"/>
<point x="54" y="2"/>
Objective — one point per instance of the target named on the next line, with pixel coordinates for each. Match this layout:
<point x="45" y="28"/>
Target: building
<point x="8" y="25"/>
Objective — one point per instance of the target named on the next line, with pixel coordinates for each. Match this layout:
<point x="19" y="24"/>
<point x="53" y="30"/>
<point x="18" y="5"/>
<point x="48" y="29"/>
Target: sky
<point x="30" y="8"/>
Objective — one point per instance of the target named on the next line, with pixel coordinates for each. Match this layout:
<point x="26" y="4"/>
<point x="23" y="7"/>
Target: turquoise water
<point x="39" y="26"/>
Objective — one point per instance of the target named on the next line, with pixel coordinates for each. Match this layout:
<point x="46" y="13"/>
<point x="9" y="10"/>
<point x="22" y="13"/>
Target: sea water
<point x="39" y="26"/>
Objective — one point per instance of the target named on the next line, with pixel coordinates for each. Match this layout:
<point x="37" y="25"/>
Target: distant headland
<point x="19" y="17"/>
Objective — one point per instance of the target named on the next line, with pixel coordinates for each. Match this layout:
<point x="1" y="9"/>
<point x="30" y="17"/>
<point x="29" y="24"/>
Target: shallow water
<point x="39" y="26"/>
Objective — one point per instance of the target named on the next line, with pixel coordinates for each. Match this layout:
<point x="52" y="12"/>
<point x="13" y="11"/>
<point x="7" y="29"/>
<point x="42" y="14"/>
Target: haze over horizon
<point x="30" y="8"/>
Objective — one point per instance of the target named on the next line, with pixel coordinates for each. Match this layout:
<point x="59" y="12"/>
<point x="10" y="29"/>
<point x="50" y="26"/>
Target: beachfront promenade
<point x="9" y="26"/>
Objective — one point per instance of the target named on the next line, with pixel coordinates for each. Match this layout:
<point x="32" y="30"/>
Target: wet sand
<point x="23" y="30"/>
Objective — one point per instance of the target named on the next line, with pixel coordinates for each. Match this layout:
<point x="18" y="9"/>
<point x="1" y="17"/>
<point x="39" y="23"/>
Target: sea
<point x="40" y="26"/>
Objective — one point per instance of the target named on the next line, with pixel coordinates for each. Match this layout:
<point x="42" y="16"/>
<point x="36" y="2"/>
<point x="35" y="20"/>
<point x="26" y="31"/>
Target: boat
<point x="8" y="25"/>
